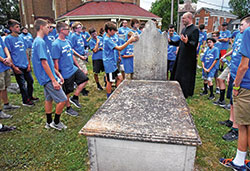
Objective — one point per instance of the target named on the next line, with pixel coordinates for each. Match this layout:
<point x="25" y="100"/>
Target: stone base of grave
<point x="143" y="126"/>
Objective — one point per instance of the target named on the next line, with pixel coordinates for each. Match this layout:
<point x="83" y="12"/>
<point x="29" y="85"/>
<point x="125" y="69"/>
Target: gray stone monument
<point x="146" y="124"/>
<point x="150" y="61"/>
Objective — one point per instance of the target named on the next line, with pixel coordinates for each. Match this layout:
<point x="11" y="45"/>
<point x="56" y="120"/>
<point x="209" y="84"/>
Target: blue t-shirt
<point x="109" y="57"/>
<point x="77" y="43"/>
<point x="209" y="57"/>
<point x="2" y="54"/>
<point x="49" y="40"/>
<point x="225" y="34"/>
<point x="245" y="51"/>
<point x="236" y="56"/>
<point x="123" y="31"/>
<point x="86" y="36"/>
<point x="17" y="48"/>
<point x="115" y="39"/>
<point x="218" y="45"/>
<point x="61" y="50"/>
<point x="28" y="39"/>
<point x="128" y="62"/>
<point x="40" y="51"/>
<point x="92" y="43"/>
<point x="234" y="34"/>
<point x="172" y="49"/>
<point x="202" y="37"/>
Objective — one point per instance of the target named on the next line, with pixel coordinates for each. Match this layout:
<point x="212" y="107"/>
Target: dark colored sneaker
<point x="237" y="168"/>
<point x="7" y="128"/>
<point x="85" y="92"/>
<point x="99" y="87"/>
<point x="220" y="103"/>
<point x="4" y="115"/>
<point x="227" y="107"/>
<point x="71" y="112"/>
<point x="75" y="102"/>
<point x="34" y="99"/>
<point x="225" y="162"/>
<point x="211" y="97"/>
<point x="29" y="104"/>
<point x="10" y="106"/>
<point x="203" y="93"/>
<point x="231" y="135"/>
<point x="227" y="123"/>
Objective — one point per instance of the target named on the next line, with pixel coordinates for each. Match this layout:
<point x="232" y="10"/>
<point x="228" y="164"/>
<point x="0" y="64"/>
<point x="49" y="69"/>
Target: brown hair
<point x="60" y="25"/>
<point x="110" y="26"/>
<point x="39" y="22"/>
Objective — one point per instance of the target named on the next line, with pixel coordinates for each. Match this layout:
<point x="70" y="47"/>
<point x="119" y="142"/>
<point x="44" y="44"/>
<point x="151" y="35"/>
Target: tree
<point x="9" y="9"/>
<point x="162" y="8"/>
<point x="240" y="7"/>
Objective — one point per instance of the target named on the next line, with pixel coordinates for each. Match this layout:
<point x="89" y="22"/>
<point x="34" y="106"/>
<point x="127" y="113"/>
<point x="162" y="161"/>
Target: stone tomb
<point x="145" y="125"/>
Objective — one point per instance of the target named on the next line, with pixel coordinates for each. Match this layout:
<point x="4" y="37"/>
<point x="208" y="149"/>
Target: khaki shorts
<point x="242" y="107"/>
<point x="5" y="79"/>
<point x="224" y="74"/>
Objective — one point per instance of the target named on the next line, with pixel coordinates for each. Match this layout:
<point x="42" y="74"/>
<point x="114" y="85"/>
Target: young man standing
<point x="67" y="65"/>
<point x="109" y="57"/>
<point x="47" y="76"/>
<point x="21" y="61"/>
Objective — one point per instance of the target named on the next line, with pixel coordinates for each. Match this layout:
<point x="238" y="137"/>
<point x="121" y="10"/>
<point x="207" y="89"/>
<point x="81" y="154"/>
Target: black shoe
<point x="85" y="92"/>
<point x="75" y="102"/>
<point x="220" y="103"/>
<point x="227" y="123"/>
<point x="203" y="93"/>
<point x="231" y="135"/>
<point x="211" y="97"/>
<point x="34" y="99"/>
<point x="29" y="103"/>
<point x="99" y="87"/>
<point x="7" y="128"/>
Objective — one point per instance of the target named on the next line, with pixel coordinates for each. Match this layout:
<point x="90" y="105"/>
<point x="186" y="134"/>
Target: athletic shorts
<point x="224" y="74"/>
<point x="111" y="77"/>
<point x="5" y="79"/>
<point x="52" y="94"/>
<point x="98" y="66"/>
<point x="78" y="77"/>
<point x="170" y="65"/>
<point x="242" y="107"/>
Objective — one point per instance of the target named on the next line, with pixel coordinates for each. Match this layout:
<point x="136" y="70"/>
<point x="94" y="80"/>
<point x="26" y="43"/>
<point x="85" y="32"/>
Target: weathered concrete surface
<point x="151" y="111"/>
<point x="150" y="54"/>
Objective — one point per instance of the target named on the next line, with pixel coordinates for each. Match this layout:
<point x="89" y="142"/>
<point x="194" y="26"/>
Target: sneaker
<point x="10" y="106"/>
<point x="7" y="128"/>
<point x="85" y="92"/>
<point x="225" y="162"/>
<point x="237" y="168"/>
<point x="220" y="103"/>
<point x="34" y="99"/>
<point x="60" y="124"/>
<point x="4" y="115"/>
<point x="47" y="126"/>
<point x="227" y="123"/>
<point x="71" y="112"/>
<point x="211" y="97"/>
<point x="217" y="91"/>
<point x="99" y="87"/>
<point x="75" y="102"/>
<point x="55" y="126"/>
<point x="29" y="104"/>
<point x="227" y="107"/>
<point x="203" y="93"/>
<point x="231" y="135"/>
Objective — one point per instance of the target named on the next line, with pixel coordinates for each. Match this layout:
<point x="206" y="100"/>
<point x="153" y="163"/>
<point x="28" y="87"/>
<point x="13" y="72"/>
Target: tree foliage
<point x="9" y="9"/>
<point x="240" y="7"/>
<point x="162" y="8"/>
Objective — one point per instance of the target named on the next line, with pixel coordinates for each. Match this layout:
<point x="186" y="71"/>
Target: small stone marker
<point x="150" y="61"/>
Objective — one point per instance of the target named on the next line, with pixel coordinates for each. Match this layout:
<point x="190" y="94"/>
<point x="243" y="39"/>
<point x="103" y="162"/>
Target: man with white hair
<point x="184" y="70"/>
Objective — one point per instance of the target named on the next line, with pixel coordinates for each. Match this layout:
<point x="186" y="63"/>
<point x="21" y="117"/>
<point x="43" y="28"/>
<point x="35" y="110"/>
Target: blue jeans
<point x="26" y="91"/>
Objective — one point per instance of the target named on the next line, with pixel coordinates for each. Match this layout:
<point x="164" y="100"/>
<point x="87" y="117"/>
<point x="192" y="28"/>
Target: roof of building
<point x="216" y="12"/>
<point x="107" y="8"/>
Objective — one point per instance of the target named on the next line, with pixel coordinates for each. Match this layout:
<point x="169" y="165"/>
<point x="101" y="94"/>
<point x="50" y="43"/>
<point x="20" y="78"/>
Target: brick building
<point x="213" y="18"/>
<point x="30" y="10"/>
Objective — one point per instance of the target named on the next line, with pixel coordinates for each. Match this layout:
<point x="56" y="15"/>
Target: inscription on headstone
<point x="150" y="61"/>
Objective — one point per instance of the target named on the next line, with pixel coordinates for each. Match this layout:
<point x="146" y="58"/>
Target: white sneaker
<point x="10" y="106"/>
<point x="58" y="126"/>
<point x="47" y="126"/>
<point x="4" y="115"/>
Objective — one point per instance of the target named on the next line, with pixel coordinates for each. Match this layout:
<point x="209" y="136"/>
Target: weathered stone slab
<point x="150" y="61"/>
<point x="149" y="111"/>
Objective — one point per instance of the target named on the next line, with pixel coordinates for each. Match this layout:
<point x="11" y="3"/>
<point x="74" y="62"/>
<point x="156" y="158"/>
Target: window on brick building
<point x="197" y="19"/>
<point x="206" y="21"/>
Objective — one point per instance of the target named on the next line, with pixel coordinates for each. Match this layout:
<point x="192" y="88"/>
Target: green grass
<point x="32" y="147"/>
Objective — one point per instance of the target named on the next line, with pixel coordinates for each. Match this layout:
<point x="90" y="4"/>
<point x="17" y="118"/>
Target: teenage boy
<point x="47" y="76"/>
<point x="109" y="58"/>
<point x="172" y="50"/>
<point x="67" y="65"/>
<point x="96" y="45"/>
<point x="22" y="68"/>
<point x="135" y="26"/>
<point x="202" y="38"/>
<point x="123" y="31"/>
<point x="5" y="81"/>
<point x="209" y="59"/>
<point x="27" y="37"/>
<point x="241" y="100"/>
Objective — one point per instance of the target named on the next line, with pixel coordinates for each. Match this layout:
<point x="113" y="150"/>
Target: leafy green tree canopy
<point x="9" y="9"/>
<point x="240" y="7"/>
